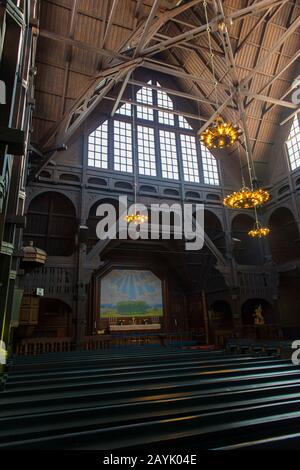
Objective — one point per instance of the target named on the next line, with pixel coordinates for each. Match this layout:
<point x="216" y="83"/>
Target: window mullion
<point x="110" y="150"/>
<point x="156" y="137"/>
<point x="200" y="161"/>
<point x="179" y="156"/>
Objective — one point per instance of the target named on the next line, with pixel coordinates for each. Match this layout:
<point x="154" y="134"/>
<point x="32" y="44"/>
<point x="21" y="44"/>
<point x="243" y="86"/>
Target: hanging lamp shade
<point x="136" y="218"/>
<point x="258" y="231"/>
<point x="247" y="198"/>
<point x="220" y="134"/>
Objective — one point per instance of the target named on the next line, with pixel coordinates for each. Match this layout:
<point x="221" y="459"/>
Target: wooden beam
<point x="121" y="92"/>
<point x="170" y="91"/>
<point x="109" y="23"/>
<point x="68" y="56"/>
<point x="87" y="100"/>
<point x="143" y="40"/>
<point x="164" y="69"/>
<point x="259" y="22"/>
<point x="191" y="34"/>
<point x="278" y="43"/>
<point x="157" y="108"/>
<point x="81" y="45"/>
<point x="291" y="116"/>
<point x="216" y="113"/>
<point x="278" y="74"/>
<point x="269" y="99"/>
<point x="163" y="18"/>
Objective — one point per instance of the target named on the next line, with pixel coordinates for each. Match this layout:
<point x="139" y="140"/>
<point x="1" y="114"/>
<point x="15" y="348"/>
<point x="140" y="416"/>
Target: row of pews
<point x="150" y="397"/>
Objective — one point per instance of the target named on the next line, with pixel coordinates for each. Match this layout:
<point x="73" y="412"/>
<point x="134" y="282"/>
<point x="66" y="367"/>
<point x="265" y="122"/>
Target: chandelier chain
<point x="211" y="54"/>
<point x="134" y="109"/>
<point x="241" y="166"/>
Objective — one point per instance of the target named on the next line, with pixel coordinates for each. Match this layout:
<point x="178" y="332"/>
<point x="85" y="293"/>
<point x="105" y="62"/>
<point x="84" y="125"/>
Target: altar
<point x="135" y="327"/>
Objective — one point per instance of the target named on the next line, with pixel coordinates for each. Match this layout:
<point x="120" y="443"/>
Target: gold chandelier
<point x="247" y="198"/>
<point x="220" y="134"/>
<point x="136" y="218"/>
<point x="259" y="231"/>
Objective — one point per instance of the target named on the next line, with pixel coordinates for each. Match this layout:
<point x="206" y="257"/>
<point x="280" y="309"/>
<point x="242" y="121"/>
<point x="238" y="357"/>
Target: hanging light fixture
<point x="259" y="231"/>
<point x="220" y="133"/>
<point x="136" y="217"/>
<point x="247" y="198"/>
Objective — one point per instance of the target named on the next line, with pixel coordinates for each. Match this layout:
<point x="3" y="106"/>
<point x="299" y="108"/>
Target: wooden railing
<point x="38" y="346"/>
<point x="96" y="342"/>
<point x="261" y="332"/>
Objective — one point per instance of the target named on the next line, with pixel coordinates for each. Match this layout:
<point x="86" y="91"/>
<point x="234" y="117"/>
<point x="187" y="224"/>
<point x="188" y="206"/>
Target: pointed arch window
<point x="293" y="144"/>
<point x="163" y="101"/>
<point x="184" y="124"/>
<point x="145" y="96"/>
<point x="167" y="147"/>
<point x="125" y="110"/>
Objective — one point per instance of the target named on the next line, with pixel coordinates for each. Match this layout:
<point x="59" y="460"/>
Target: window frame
<point x="297" y="136"/>
<point x="136" y="121"/>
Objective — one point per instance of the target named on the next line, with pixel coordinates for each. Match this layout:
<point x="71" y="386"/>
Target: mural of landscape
<point x="131" y="293"/>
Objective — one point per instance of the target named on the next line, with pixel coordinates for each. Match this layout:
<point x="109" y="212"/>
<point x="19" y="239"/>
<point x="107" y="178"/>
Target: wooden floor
<point x="150" y="397"/>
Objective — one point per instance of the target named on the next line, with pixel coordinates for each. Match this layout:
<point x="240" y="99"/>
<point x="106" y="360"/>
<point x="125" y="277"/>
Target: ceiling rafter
<point x="241" y="28"/>
<point x="294" y="58"/>
<point x="269" y="99"/>
<point x="290" y="30"/>
<point x="145" y="37"/>
<point x="113" y="76"/>
<point x="191" y="34"/>
<point x="264" y="109"/>
<point x="197" y="117"/>
<point x="265" y="18"/>
<point x="262" y="40"/>
<point x="68" y="55"/>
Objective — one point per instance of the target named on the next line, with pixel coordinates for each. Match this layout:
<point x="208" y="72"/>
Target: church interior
<point x="117" y="330"/>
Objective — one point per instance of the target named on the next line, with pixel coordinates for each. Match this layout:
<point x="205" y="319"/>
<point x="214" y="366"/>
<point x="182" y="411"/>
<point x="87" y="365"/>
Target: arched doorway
<point x="214" y="230"/>
<point x="220" y="315"/>
<point x="54" y="319"/>
<point x="44" y="317"/>
<point x="51" y="224"/>
<point x="284" y="236"/>
<point x="249" y="307"/>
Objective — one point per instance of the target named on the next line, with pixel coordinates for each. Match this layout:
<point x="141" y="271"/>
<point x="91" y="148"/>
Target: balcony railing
<point x="37" y="346"/>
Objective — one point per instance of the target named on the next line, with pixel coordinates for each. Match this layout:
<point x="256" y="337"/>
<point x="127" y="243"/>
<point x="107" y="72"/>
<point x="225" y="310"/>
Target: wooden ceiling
<point x="89" y="49"/>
